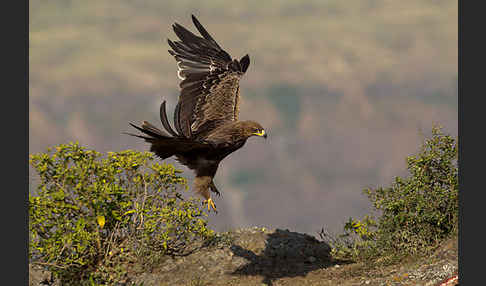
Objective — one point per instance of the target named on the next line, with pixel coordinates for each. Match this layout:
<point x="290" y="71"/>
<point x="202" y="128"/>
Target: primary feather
<point x="210" y="81"/>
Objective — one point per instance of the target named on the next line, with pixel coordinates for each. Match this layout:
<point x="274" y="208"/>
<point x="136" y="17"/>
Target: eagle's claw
<point x="210" y="204"/>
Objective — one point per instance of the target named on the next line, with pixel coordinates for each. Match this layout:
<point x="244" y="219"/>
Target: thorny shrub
<point x="91" y="216"/>
<point x="416" y="213"/>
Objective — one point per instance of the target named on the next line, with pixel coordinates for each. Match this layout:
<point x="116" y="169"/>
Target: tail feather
<point x="148" y="139"/>
<point x="152" y="133"/>
<point x="148" y="126"/>
<point x="162" y="143"/>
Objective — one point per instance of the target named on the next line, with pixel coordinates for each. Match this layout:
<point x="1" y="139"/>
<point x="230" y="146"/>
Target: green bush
<point x="92" y="216"/>
<point x="416" y="213"/>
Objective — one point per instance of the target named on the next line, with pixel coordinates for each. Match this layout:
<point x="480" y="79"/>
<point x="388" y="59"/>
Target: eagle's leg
<point x="213" y="188"/>
<point x="202" y="185"/>
<point x="209" y="201"/>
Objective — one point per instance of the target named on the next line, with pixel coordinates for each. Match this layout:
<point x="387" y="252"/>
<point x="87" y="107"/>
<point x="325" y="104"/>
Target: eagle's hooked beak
<point x="261" y="133"/>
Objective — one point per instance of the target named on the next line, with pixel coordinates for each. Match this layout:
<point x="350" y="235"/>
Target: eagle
<point x="206" y="126"/>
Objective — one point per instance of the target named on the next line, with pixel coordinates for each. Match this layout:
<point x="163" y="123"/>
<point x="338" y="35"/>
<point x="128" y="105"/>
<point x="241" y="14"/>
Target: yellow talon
<point x="211" y="205"/>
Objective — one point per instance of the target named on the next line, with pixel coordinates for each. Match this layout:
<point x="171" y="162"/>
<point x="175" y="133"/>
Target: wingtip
<point x="196" y="22"/>
<point x="165" y="121"/>
<point x="162" y="107"/>
<point x="245" y="62"/>
<point x="175" y="27"/>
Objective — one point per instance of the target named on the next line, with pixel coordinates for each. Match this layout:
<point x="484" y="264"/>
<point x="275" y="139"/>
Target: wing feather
<point x="209" y="93"/>
<point x="177" y="124"/>
<point x="165" y="121"/>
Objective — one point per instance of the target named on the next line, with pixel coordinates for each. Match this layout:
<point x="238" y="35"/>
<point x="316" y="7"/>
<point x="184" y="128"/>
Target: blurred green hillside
<point x="121" y="45"/>
<point x="344" y="89"/>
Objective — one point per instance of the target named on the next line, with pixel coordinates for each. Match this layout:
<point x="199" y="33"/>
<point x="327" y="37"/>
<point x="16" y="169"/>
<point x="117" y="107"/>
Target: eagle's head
<point x="252" y="128"/>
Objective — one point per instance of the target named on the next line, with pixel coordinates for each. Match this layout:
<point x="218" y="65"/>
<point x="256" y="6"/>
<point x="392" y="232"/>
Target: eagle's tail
<point x="150" y="132"/>
<point x="165" y="143"/>
<point x="162" y="143"/>
<point x="153" y="132"/>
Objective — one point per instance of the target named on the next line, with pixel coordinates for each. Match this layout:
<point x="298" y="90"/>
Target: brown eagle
<point x="206" y="116"/>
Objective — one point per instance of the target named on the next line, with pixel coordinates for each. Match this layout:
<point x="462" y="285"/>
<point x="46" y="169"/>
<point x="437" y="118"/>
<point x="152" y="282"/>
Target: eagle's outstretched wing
<point x="210" y="82"/>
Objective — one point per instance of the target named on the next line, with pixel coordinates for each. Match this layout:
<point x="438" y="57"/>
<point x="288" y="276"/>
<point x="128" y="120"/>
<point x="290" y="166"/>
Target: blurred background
<point x="346" y="90"/>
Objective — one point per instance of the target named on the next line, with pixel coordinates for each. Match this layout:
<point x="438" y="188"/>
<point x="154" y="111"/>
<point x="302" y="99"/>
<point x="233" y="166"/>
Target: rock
<point x="272" y="255"/>
<point x="252" y="251"/>
<point x="40" y="277"/>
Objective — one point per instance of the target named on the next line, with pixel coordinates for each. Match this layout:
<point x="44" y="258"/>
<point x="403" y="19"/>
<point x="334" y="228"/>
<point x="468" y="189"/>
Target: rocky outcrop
<point x="258" y="256"/>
